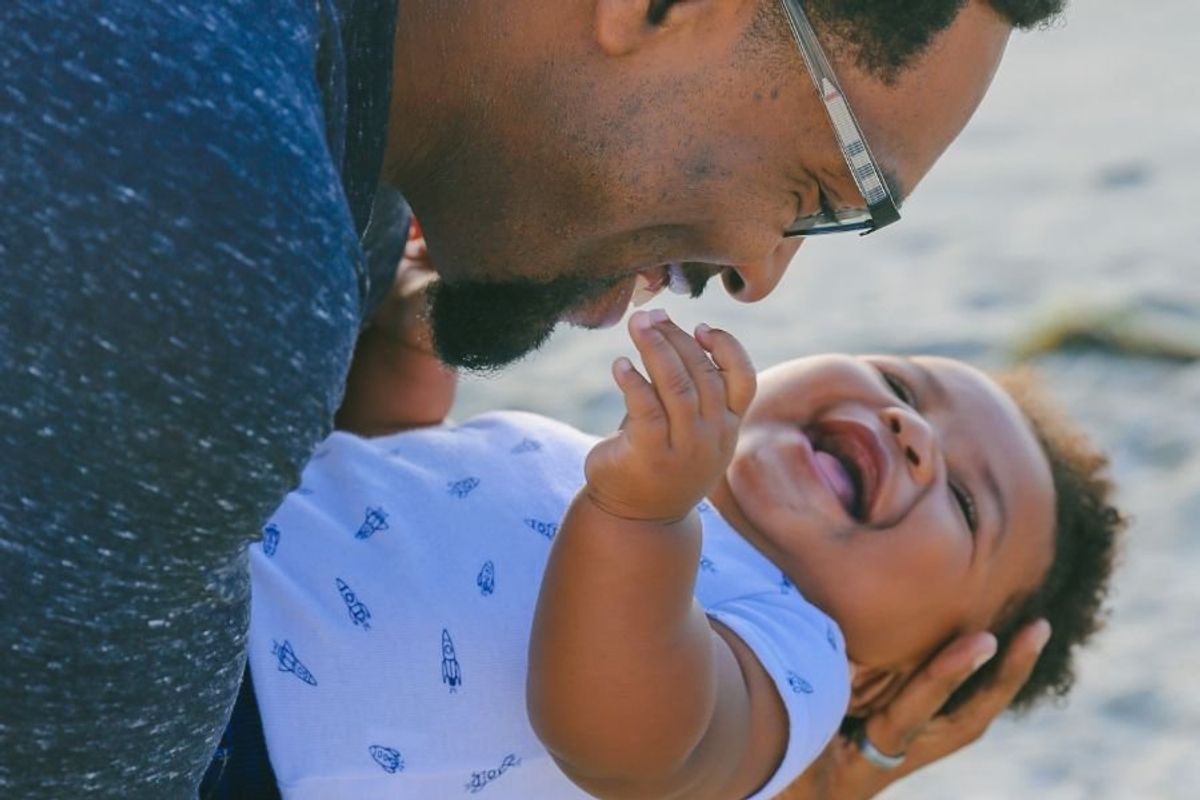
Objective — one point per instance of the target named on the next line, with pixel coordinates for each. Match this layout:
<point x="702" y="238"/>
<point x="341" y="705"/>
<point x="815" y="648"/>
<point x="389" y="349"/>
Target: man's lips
<point x="607" y="309"/>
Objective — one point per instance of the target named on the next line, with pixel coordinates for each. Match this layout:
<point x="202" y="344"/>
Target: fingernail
<point x="985" y="655"/>
<point x="641" y="320"/>
<point x="702" y="329"/>
<point x="1042" y="636"/>
<point x="623" y="364"/>
<point x="657" y="316"/>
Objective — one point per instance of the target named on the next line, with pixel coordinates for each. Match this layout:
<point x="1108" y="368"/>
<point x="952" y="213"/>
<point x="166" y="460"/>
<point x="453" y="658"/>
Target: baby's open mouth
<point x="845" y="460"/>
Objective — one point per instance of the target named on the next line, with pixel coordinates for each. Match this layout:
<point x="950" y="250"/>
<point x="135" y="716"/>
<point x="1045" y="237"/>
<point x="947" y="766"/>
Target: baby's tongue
<point x="836" y="478"/>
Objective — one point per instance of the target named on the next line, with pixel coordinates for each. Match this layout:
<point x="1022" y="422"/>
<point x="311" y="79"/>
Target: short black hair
<point x="1086" y="535"/>
<point x="884" y="37"/>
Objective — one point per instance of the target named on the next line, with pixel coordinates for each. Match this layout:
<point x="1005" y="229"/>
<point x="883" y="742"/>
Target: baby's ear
<point x="872" y="688"/>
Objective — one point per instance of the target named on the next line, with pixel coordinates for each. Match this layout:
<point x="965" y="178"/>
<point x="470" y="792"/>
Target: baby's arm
<point x="396" y="380"/>
<point x="631" y="688"/>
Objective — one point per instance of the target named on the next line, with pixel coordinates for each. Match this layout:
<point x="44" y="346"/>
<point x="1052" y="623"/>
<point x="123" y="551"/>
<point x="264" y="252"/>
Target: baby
<point x="748" y="562"/>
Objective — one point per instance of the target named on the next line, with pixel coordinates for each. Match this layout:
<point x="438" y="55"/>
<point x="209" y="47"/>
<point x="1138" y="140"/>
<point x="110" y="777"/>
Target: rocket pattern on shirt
<point x="436" y="515"/>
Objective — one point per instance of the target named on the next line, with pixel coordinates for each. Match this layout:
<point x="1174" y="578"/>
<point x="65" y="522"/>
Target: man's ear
<point x="871" y="688"/>
<point x="624" y="26"/>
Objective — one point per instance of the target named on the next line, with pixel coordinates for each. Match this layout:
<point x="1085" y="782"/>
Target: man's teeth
<point x="642" y="293"/>
<point x="677" y="281"/>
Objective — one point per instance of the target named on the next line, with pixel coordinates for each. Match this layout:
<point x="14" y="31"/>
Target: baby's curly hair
<point x="1086" y="534"/>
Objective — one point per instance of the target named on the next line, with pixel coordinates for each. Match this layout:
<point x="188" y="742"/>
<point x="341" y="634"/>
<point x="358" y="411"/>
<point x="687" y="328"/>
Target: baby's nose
<point x="915" y="440"/>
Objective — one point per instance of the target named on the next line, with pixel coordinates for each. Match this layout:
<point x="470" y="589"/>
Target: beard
<point x="486" y="325"/>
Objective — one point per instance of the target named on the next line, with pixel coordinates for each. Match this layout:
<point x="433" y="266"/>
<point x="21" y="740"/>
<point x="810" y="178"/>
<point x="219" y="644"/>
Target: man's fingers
<point x="1015" y="667"/>
<point x="736" y="368"/>
<point x="892" y="729"/>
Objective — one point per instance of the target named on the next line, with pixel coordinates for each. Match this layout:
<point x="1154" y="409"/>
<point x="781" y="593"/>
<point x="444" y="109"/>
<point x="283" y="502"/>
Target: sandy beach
<point x="1072" y="191"/>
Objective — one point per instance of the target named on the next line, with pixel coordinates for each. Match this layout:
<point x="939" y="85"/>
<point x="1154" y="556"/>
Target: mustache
<point x="698" y="274"/>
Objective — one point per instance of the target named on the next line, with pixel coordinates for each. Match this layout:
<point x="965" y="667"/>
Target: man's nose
<point x="752" y="282"/>
<point x="915" y="440"/>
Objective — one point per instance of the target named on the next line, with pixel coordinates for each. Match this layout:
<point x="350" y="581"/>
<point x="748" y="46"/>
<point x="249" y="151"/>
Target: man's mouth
<point x="607" y="309"/>
<point x="852" y="463"/>
<point x="648" y="283"/>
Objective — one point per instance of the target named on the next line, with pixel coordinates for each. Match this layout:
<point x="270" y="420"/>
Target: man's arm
<point x="631" y="687"/>
<point x="179" y="304"/>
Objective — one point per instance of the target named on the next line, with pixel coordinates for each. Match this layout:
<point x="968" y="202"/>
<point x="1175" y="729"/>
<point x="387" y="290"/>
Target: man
<point x="204" y="201"/>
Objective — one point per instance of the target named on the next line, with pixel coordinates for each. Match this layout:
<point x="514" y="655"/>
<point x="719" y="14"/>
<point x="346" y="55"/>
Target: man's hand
<point x="682" y="423"/>
<point x="908" y="725"/>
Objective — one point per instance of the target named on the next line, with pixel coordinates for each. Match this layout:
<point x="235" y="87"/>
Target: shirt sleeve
<point x="802" y="649"/>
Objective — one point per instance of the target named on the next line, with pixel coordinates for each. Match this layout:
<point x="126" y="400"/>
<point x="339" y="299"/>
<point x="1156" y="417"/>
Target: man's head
<point x="917" y="499"/>
<point x="560" y="149"/>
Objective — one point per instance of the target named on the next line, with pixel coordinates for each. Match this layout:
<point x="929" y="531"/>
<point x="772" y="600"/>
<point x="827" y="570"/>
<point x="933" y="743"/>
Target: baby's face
<point x="908" y="498"/>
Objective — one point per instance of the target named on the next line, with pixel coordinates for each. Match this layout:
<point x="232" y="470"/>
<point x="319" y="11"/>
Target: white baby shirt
<point x="393" y="594"/>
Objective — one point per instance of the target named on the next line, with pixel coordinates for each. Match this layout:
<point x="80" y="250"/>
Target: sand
<point x="1073" y="188"/>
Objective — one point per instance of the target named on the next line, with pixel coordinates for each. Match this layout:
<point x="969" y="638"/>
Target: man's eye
<point x="966" y="502"/>
<point x="899" y="388"/>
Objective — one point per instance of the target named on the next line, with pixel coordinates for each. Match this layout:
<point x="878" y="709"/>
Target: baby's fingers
<point x="645" y="417"/>
<point x="737" y="370"/>
<point x="666" y="370"/>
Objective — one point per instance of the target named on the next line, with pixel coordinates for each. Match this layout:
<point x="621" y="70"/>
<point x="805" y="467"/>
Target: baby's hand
<point x="682" y="423"/>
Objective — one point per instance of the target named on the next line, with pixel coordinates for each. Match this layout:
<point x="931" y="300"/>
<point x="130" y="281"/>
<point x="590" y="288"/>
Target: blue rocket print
<point x="798" y="684"/>
<point x="785" y="584"/>
<point x="547" y="529"/>
<point x="451" y="673"/>
<point x="704" y="507"/>
<point x="359" y="613"/>
<point x="707" y="565"/>
<point x="486" y="580"/>
<point x="526" y="446"/>
<point x="289" y="663"/>
<point x="270" y="539"/>
<point x="374" y="521"/>
<point x="388" y="758"/>
<point x="830" y="637"/>
<point x="462" y="488"/>
<point x="479" y="780"/>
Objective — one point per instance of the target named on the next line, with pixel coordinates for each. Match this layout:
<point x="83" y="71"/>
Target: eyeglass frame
<point x="881" y="208"/>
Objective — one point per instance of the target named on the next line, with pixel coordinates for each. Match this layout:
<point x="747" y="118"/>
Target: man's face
<point x="664" y="155"/>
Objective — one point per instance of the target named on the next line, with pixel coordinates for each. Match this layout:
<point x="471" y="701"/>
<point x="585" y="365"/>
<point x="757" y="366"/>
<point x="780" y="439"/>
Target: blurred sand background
<point x="1071" y="192"/>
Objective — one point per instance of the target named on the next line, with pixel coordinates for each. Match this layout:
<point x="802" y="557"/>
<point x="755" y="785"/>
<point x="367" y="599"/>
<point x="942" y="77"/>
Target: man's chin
<point x="485" y="354"/>
<point x="487" y="326"/>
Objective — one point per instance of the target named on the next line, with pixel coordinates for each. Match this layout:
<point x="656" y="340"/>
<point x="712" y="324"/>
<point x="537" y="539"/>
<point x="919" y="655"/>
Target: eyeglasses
<point x="881" y="209"/>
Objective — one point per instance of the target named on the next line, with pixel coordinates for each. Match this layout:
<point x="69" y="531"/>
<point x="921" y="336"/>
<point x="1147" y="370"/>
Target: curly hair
<point x="884" y="37"/>
<point x="1087" y="529"/>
